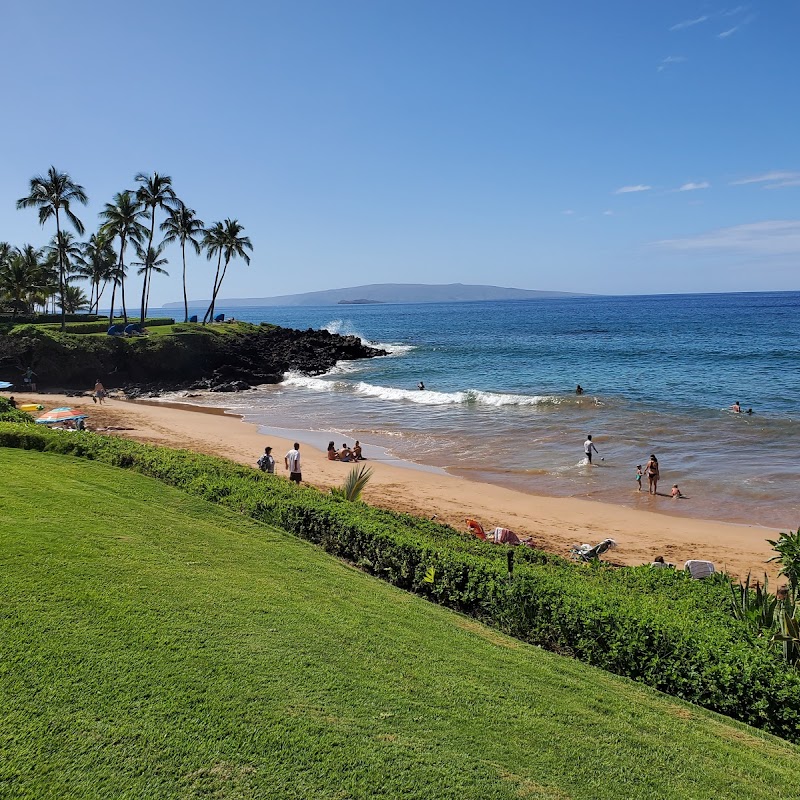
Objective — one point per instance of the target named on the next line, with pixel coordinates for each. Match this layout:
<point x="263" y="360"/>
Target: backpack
<point x="263" y="462"/>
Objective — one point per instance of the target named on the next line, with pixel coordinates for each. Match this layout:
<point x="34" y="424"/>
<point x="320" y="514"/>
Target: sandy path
<point x="554" y="522"/>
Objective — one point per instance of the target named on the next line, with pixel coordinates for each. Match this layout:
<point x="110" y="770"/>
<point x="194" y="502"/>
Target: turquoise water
<point x="659" y="374"/>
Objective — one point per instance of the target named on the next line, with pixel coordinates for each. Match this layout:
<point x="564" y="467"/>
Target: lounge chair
<point x="586" y="553"/>
<point x="193" y="318"/>
<point x="114" y="330"/>
<point x="219" y="318"/>
<point x="476" y="529"/>
<point x="699" y="569"/>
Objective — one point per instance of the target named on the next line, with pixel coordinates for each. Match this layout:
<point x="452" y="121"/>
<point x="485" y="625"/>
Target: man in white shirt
<point x="292" y="463"/>
<point x="588" y="446"/>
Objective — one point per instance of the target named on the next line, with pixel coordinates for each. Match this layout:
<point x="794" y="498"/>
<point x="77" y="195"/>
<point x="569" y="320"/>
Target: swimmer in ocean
<point x="421" y="386"/>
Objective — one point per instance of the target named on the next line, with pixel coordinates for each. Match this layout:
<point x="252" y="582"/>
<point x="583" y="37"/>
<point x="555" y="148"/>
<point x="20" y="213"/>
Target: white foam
<point x="423" y="397"/>
<point x="307" y="382"/>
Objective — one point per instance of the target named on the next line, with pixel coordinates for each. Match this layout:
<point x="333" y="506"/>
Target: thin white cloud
<point x="772" y="180"/>
<point x="729" y="32"/>
<point x="731" y="12"/>
<point x="639" y="187"/>
<point x="688" y="23"/>
<point x="691" y="186"/>
<point x="665" y="62"/>
<point x="772" y="237"/>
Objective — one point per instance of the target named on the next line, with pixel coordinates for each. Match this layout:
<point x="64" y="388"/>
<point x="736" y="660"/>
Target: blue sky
<point x="617" y="147"/>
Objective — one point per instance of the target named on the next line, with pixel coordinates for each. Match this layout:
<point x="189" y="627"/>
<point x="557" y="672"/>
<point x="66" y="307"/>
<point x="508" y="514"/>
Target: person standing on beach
<point x="267" y="463"/>
<point x="99" y="392"/>
<point x="588" y="446"/>
<point x="292" y="462"/>
<point x="27" y="380"/>
<point x="651" y="470"/>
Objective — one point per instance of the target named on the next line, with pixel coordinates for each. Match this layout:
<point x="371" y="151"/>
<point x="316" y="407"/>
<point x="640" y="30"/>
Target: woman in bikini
<point x="651" y="470"/>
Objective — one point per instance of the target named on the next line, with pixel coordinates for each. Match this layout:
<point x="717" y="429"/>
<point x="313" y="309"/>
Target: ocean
<point x="499" y="405"/>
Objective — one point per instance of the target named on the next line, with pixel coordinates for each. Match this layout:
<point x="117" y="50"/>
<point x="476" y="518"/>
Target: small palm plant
<point x="787" y="549"/>
<point x="354" y="484"/>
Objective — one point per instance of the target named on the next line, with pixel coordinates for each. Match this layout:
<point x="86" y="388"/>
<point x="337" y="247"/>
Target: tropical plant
<point x="755" y="606"/>
<point x="73" y="299"/>
<point x="150" y="262"/>
<point x="787" y="549"/>
<point x="224" y="240"/>
<point x="20" y="277"/>
<point x="788" y="636"/>
<point x="97" y="262"/>
<point x="52" y="194"/>
<point x="63" y="252"/>
<point x="354" y="484"/>
<point x="183" y="225"/>
<point x="122" y="220"/>
<point x="155" y="191"/>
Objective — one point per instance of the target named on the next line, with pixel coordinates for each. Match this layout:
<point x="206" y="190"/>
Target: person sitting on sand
<point x="345" y="454"/>
<point x="736" y="408"/>
<point x="659" y="563"/>
<point x="12" y="402"/>
<point x="676" y="492"/>
<point x="333" y="454"/>
<point x="357" y="451"/>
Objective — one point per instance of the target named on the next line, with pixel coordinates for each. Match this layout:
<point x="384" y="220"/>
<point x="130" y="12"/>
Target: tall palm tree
<point x="151" y="261"/>
<point x="96" y="263"/>
<point x="225" y="240"/>
<point x="155" y="191"/>
<point x="52" y="194"/>
<point x="183" y="225"/>
<point x="63" y="252"/>
<point x="122" y="219"/>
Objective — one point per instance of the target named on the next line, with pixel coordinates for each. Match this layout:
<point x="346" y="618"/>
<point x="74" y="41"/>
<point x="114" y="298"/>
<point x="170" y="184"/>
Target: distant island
<point x="390" y="293"/>
<point x="360" y="302"/>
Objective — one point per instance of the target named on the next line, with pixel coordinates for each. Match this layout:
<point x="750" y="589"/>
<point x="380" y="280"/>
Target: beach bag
<point x="263" y="463"/>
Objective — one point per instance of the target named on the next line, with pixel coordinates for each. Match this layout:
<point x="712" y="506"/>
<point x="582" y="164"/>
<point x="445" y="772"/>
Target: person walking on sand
<point x="292" y="462"/>
<point x="99" y="392"/>
<point x="651" y="470"/>
<point x="588" y="446"/>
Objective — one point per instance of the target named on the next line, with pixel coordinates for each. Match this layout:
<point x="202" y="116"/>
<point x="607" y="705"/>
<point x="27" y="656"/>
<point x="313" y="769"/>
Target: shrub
<point x="655" y="626"/>
<point x="10" y="414"/>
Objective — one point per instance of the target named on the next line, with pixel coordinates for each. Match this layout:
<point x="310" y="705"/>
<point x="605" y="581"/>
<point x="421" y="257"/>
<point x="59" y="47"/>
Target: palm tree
<point x="225" y="240"/>
<point x="122" y="220"/>
<point x="182" y="225"/>
<point x="97" y="261"/>
<point x="154" y="192"/>
<point x="64" y="252"/>
<point x="53" y="194"/>
<point x="150" y="262"/>
<point x="20" y="277"/>
<point x="74" y="299"/>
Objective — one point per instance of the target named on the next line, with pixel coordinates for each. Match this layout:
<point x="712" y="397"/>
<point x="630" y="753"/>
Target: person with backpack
<point x="267" y="463"/>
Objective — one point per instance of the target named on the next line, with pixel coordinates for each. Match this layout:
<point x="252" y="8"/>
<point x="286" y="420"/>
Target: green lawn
<point x="155" y="646"/>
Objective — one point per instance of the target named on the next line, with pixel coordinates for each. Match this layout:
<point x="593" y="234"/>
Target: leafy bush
<point x="655" y="626"/>
<point x="103" y="325"/>
<point x="10" y="414"/>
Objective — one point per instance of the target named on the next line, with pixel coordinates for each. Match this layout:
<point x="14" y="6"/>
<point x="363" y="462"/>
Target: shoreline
<point x="554" y="523"/>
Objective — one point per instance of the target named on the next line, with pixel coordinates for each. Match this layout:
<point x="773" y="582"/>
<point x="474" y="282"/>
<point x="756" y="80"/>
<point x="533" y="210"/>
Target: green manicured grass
<point x="153" y="645"/>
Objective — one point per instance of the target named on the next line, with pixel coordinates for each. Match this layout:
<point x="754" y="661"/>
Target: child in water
<point x="676" y="492"/>
<point x="639" y="475"/>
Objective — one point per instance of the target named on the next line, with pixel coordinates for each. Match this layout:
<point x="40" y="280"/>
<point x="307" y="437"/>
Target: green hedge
<point x="655" y="626"/>
<point x="103" y="325"/>
<point x="10" y="414"/>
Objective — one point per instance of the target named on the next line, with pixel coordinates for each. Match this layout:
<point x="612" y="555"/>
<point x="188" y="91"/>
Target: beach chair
<point x="699" y="569"/>
<point x="193" y="318"/>
<point x="586" y="553"/>
<point x="114" y="330"/>
<point x="219" y="318"/>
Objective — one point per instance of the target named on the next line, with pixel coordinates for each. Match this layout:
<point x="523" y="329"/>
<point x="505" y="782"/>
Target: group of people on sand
<point x="345" y="454"/>
<point x="291" y="462"/>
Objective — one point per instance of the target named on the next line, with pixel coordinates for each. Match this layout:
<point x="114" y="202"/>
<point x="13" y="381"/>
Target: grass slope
<point x="155" y="646"/>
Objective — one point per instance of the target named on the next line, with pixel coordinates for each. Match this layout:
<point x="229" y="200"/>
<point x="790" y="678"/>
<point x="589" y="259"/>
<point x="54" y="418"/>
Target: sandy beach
<point x="554" y="523"/>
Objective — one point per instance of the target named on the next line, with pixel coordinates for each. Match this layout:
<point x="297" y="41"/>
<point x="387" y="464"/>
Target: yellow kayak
<point x="30" y="407"/>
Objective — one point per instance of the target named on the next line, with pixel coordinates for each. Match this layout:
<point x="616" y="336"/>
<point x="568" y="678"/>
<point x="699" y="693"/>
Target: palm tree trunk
<point x="210" y="310"/>
<point x="61" y="274"/>
<point x="185" y="301"/>
<point x="149" y="245"/>
<point x="113" y="298"/>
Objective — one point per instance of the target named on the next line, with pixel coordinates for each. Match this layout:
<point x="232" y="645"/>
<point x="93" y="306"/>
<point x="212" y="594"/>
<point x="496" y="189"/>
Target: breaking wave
<point x="346" y="328"/>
